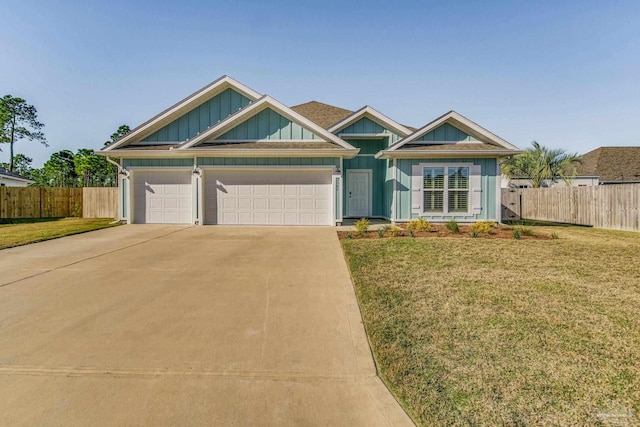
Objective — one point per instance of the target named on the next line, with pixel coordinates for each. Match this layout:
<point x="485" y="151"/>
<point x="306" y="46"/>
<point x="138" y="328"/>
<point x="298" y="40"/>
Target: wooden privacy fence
<point x="615" y="207"/>
<point x="32" y="202"/>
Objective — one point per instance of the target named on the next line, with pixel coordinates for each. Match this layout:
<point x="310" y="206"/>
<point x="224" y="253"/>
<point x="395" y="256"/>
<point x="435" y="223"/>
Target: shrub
<point x="452" y="226"/>
<point x="482" y="227"/>
<point x="381" y="232"/>
<point x="412" y="233"/>
<point x="474" y="234"/>
<point x="419" y="224"/>
<point x="349" y="236"/>
<point x="526" y="231"/>
<point x="362" y="226"/>
<point x="395" y="231"/>
<point x="555" y="236"/>
<point x="516" y="233"/>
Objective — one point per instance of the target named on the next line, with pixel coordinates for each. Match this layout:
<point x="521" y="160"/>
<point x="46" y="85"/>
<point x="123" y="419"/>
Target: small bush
<point x="482" y="227"/>
<point x="412" y="233"/>
<point x="362" y="226"/>
<point x="526" y="231"/>
<point x="516" y="233"/>
<point x="474" y="234"/>
<point x="381" y="232"/>
<point x="395" y="231"/>
<point x="349" y="236"/>
<point x="452" y="226"/>
<point x="419" y="224"/>
<point x="555" y="236"/>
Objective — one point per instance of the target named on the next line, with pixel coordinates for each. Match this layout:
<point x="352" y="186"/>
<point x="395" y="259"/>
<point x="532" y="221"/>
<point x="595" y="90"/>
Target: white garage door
<point x="273" y="197"/>
<point x="162" y="197"/>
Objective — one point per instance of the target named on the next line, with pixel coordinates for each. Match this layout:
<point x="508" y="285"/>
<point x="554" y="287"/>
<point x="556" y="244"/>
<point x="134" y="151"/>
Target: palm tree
<point x="539" y="164"/>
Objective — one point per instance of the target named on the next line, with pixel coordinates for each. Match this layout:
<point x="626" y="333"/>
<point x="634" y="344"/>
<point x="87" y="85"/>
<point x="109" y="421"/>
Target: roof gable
<point x="285" y="122"/>
<point x="201" y="117"/>
<point x="446" y="132"/>
<point x="182" y="108"/>
<point x="268" y="125"/>
<point x="368" y="119"/>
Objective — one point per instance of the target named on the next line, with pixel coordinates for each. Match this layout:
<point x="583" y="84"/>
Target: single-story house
<point x="229" y="155"/>
<point x="10" y="179"/>
<point x="602" y="166"/>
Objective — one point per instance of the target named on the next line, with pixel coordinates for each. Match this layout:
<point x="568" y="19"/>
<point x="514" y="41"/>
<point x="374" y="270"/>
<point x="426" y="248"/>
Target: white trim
<point x="498" y="192"/>
<point x="394" y="190"/>
<point x="160" y="168"/>
<point x="460" y="122"/>
<point x="290" y="168"/>
<point x="445" y="200"/>
<point x="253" y="109"/>
<point x="244" y="141"/>
<point x="373" y="114"/>
<point x="369" y="172"/>
<point x="234" y="152"/>
<point x="416" y="154"/>
<point x="184" y="106"/>
<point x="365" y="135"/>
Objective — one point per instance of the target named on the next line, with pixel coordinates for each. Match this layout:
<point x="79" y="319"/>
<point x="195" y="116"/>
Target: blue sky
<point x="564" y="73"/>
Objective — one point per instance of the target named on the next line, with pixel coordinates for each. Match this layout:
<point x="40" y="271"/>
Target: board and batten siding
<point x="158" y="162"/>
<point x="366" y="125"/>
<point x="488" y="183"/>
<point x="380" y="191"/>
<point x="268" y="124"/>
<point x="446" y="132"/>
<point x="269" y="161"/>
<point x="200" y="118"/>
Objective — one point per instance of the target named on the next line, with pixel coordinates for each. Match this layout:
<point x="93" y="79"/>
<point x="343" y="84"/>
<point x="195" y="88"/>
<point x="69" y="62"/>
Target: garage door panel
<point x="162" y="197"/>
<point x="268" y="197"/>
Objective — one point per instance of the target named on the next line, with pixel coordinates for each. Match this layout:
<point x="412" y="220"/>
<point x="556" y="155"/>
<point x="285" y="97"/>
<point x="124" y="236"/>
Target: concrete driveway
<point x="171" y="325"/>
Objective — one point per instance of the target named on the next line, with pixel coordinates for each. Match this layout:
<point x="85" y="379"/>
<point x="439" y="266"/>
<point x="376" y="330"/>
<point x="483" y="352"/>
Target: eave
<point x="231" y="152"/>
<point x="415" y="154"/>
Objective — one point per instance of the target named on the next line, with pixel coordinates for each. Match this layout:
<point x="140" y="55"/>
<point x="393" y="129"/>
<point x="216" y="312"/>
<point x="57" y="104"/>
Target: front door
<point x="358" y="192"/>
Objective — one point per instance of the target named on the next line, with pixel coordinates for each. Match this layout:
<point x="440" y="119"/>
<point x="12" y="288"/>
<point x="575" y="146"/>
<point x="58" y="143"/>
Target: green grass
<point x="24" y="231"/>
<point x="506" y="332"/>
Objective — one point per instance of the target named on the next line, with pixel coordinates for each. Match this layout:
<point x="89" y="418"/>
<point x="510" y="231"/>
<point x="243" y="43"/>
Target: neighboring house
<point x="604" y="165"/>
<point x="612" y="165"/>
<point x="10" y="179"/>
<point x="229" y="155"/>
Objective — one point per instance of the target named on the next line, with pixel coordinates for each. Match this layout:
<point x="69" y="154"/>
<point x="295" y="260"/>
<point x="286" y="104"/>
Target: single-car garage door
<point x="162" y="197"/>
<point x="269" y="197"/>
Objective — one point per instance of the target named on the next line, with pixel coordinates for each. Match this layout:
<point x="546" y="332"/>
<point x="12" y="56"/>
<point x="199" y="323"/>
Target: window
<point x="446" y="189"/>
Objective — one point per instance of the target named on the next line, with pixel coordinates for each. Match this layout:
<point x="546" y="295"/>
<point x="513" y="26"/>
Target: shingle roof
<point x="7" y="172"/>
<point x="612" y="164"/>
<point x="321" y="114"/>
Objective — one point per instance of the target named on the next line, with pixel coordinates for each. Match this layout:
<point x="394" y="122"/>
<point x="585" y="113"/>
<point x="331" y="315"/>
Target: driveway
<point x="172" y="325"/>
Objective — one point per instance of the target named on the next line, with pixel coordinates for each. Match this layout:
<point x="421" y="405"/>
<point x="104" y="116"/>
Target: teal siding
<point x="268" y="124"/>
<point x="366" y="125"/>
<point x="446" y="132"/>
<point x="177" y="162"/>
<point x="381" y="196"/>
<point x="269" y="161"/>
<point x="489" y="177"/>
<point x="200" y="118"/>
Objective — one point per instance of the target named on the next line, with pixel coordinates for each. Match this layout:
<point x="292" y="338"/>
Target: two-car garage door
<point x="268" y="197"/>
<point x="243" y="197"/>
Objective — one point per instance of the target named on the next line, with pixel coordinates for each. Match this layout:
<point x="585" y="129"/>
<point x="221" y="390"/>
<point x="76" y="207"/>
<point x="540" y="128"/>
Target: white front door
<point x="358" y="192"/>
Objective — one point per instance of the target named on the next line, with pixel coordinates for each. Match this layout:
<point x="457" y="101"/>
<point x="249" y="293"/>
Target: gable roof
<point x="253" y="109"/>
<point x="374" y="115"/>
<point x="321" y="114"/>
<point x="6" y="173"/>
<point x="487" y="142"/>
<point x="182" y="107"/>
<point x="612" y="164"/>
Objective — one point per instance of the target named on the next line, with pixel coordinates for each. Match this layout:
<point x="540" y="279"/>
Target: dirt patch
<point x="464" y="231"/>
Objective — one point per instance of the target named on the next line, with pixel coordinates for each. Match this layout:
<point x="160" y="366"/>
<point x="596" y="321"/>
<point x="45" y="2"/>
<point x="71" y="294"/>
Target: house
<point x="229" y="155"/>
<point x="604" y="165"/>
<point x="612" y="165"/>
<point x="10" y="179"/>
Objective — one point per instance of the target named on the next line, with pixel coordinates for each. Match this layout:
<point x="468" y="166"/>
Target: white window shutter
<point x="416" y="190"/>
<point x="475" y="183"/>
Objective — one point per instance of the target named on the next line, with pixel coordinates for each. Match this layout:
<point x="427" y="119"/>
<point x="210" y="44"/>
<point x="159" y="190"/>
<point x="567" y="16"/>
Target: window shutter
<point x="416" y="190"/>
<point x="475" y="183"/>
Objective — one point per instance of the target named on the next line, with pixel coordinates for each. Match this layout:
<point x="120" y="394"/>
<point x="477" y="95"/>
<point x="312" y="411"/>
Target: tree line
<point x="84" y="168"/>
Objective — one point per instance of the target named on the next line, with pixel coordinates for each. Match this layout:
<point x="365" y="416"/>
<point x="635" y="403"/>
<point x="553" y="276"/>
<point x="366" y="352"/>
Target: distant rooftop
<point x="612" y="164"/>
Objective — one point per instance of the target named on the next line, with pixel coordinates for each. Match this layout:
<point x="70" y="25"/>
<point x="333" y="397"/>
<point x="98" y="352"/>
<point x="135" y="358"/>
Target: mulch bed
<point x="465" y="231"/>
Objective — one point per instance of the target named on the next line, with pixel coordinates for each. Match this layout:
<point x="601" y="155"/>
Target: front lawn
<point x="24" y="231"/>
<point x="506" y="332"/>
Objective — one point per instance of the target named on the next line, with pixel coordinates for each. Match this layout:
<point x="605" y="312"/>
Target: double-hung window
<point x="445" y="189"/>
